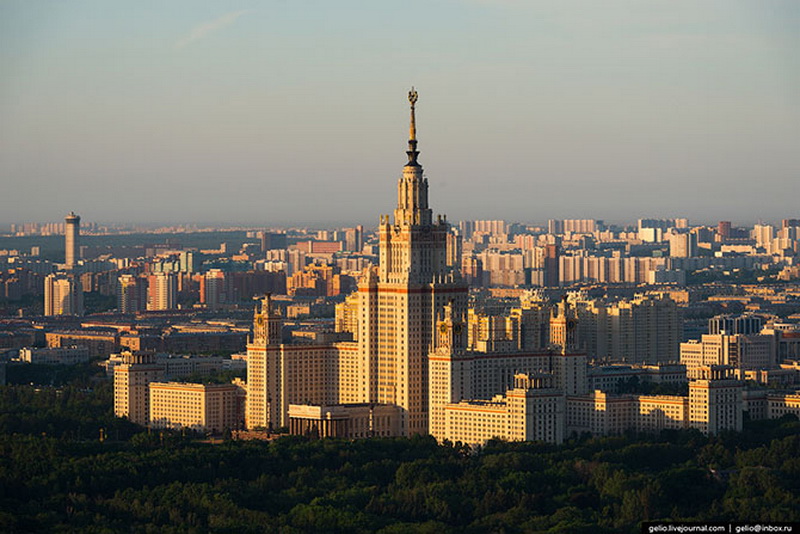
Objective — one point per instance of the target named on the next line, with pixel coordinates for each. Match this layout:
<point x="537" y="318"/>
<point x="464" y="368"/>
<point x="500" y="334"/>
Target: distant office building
<point x="455" y="246"/>
<point x="72" y="240"/>
<point x="555" y="226"/>
<point x="63" y="295"/>
<point x="190" y="261"/>
<point x="654" y="230"/>
<point x="177" y="366"/>
<point x="162" y="292"/>
<point x="100" y="343"/>
<point x="666" y="276"/>
<point x="319" y="247"/>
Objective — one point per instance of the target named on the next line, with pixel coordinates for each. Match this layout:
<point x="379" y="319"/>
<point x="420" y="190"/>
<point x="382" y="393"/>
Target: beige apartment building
<point x="131" y="386"/>
<point x="747" y="352"/>
<point x="141" y="397"/>
<point x="532" y="411"/>
<point x="199" y="407"/>
<point x="63" y="294"/>
<point x="782" y="404"/>
<point x="715" y="403"/>
<point x="715" y="400"/>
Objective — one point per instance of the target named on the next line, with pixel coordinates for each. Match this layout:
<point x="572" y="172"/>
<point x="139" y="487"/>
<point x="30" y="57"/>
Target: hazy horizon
<point x="295" y="113"/>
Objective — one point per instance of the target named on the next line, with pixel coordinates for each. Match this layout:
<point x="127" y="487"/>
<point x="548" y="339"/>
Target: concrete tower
<point x="71" y="239"/>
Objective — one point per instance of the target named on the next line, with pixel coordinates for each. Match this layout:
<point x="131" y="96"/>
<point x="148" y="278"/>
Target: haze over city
<point x="278" y="113"/>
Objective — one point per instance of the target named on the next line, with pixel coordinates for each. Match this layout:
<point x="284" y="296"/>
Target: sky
<point x="295" y="112"/>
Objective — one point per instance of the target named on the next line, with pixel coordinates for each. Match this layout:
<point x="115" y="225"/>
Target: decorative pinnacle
<point x="412" y="131"/>
<point x="412" y="98"/>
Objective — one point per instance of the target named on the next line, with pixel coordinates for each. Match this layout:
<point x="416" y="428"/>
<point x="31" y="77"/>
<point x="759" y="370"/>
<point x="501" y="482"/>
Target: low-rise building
<point x="55" y="355"/>
<point x="532" y="411"/>
<point x="608" y="377"/>
<point x="781" y="404"/>
<point x="349" y="421"/>
<point x="199" y="407"/>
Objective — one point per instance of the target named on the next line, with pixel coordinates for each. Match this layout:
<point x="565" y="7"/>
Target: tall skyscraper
<point x="396" y="308"/>
<point x="71" y="239"/>
<point x="409" y="295"/>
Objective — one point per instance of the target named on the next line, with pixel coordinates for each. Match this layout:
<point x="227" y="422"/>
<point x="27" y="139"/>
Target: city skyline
<point x="288" y="115"/>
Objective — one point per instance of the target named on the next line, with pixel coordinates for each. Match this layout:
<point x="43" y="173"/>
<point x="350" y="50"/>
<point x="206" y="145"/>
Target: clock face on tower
<point x="457" y="328"/>
<point x="260" y="320"/>
<point x="442" y="328"/>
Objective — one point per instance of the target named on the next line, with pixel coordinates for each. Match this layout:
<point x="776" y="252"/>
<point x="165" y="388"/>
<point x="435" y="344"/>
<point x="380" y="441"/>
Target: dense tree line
<point x="157" y="483"/>
<point x="84" y="375"/>
<point x="67" y="464"/>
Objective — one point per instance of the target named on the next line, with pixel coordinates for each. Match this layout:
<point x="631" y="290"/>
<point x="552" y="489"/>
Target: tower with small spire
<point x="414" y="285"/>
<point x="564" y="327"/>
<point x="267" y="324"/>
<point x="265" y="396"/>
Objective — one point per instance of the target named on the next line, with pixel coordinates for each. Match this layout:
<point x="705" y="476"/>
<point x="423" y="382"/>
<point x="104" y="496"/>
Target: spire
<point x="412" y="131"/>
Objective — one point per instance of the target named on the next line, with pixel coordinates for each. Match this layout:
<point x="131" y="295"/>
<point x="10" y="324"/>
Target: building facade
<point x="63" y="294"/>
<point x="211" y="408"/>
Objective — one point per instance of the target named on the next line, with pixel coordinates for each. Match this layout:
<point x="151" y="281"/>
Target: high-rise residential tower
<point x="162" y="292"/>
<point x="63" y="294"/>
<point x="71" y="239"/>
<point x="131" y="294"/>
